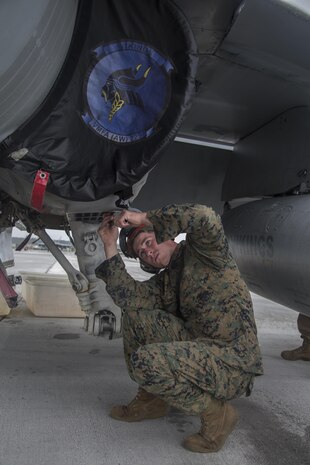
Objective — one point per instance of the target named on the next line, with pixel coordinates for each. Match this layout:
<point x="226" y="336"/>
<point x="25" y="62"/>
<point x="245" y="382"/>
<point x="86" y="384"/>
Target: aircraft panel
<point x="259" y="69"/>
<point x="33" y="50"/>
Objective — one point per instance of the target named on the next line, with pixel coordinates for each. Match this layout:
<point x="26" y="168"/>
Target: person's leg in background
<point x="302" y="352"/>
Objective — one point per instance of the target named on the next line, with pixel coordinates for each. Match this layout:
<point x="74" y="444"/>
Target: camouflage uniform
<point x="189" y="332"/>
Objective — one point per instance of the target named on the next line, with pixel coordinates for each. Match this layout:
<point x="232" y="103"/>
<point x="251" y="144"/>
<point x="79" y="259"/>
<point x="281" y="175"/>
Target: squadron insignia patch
<point x="126" y="91"/>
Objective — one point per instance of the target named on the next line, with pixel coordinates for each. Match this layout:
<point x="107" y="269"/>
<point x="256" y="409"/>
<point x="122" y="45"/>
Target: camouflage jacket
<point x="202" y="285"/>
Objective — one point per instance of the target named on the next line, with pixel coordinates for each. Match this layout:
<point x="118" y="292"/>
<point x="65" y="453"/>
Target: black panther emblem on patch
<point x="126" y="91"/>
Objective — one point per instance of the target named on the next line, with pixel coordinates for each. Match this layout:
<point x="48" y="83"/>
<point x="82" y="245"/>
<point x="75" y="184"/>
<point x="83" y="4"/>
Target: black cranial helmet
<point x="126" y="239"/>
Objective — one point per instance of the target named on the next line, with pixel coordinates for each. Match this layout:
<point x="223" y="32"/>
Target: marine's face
<point x="150" y="252"/>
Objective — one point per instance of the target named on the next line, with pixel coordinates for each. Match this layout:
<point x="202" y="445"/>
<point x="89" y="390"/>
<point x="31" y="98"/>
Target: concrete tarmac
<point x="58" y="384"/>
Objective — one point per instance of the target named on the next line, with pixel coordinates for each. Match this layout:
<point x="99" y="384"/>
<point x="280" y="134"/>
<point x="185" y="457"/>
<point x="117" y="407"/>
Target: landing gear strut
<point x="90" y="254"/>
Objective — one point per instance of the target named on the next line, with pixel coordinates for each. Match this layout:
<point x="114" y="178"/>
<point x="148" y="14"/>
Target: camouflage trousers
<point x="303" y="324"/>
<point x="162" y="359"/>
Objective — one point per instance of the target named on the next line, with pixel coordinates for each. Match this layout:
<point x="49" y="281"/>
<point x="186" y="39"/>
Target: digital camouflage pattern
<point x="189" y="332"/>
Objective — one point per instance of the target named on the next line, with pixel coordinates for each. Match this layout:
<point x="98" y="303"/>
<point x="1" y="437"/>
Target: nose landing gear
<point x="104" y="324"/>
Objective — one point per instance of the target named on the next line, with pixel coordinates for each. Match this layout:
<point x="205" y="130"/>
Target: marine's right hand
<point x="107" y="230"/>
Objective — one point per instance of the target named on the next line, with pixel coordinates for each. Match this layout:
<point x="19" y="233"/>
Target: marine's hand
<point x="130" y="218"/>
<point x="107" y="230"/>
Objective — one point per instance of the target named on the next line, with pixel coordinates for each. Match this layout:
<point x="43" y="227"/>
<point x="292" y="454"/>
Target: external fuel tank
<point x="270" y="241"/>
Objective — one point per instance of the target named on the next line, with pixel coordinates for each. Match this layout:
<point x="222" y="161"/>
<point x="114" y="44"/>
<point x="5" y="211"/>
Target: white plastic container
<point x="4" y="308"/>
<point x="50" y="295"/>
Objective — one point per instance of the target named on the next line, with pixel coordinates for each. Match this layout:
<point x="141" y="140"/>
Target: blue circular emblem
<point x="127" y="91"/>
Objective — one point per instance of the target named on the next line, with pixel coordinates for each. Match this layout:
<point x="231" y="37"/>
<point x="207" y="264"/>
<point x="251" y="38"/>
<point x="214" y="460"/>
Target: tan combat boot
<point x="217" y="422"/>
<point x="145" y="406"/>
<point x="301" y="353"/>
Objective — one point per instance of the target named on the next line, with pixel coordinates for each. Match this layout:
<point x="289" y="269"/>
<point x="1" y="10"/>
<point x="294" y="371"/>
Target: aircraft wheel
<point x="96" y="331"/>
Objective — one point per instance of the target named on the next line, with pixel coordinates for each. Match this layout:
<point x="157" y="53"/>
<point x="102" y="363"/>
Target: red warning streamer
<point x="38" y="189"/>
